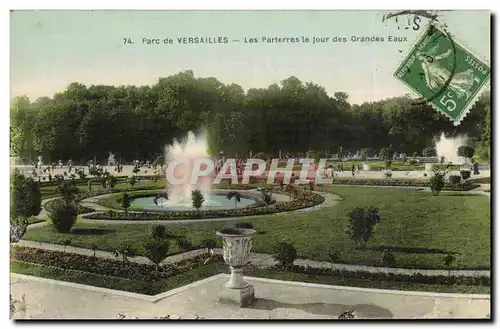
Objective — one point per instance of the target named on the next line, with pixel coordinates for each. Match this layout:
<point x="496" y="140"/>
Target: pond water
<point x="214" y="201"/>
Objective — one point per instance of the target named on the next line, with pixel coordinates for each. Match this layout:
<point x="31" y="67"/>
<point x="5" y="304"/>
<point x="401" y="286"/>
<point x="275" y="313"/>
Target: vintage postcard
<point x="250" y="165"/>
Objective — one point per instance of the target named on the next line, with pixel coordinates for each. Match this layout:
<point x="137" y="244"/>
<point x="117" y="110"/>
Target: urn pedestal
<point x="237" y="244"/>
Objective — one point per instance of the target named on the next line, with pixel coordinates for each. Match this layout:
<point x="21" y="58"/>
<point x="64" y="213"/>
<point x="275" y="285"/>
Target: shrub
<point x="158" y="232"/>
<point x="126" y="201"/>
<point x="112" y="181"/>
<point x="285" y="254"/>
<point x="266" y="194"/>
<point x="388" y="258"/>
<point x="244" y="225"/>
<point x="25" y="196"/>
<point x="131" y="180"/>
<point x="437" y="181"/>
<point x="465" y="151"/>
<point x="230" y="195"/>
<point x="448" y="261"/>
<point x="184" y="243"/>
<point x="361" y="224"/>
<point x="94" y="247"/>
<point x="366" y="153"/>
<point x="429" y="152"/>
<point x="63" y="216"/>
<point x="454" y="179"/>
<point x="386" y="153"/>
<point x="197" y="199"/>
<point x="156" y="250"/>
<point x="334" y="255"/>
<point x="412" y="162"/>
<point x="125" y="250"/>
<point x="465" y="174"/>
<point x="79" y="208"/>
<point x="103" y="181"/>
<point x="65" y="243"/>
<point x="81" y="174"/>
<point x="68" y="191"/>
<point x="388" y="164"/>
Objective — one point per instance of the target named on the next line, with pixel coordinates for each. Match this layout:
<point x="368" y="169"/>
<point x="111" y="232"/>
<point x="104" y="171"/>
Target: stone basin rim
<point x="243" y="232"/>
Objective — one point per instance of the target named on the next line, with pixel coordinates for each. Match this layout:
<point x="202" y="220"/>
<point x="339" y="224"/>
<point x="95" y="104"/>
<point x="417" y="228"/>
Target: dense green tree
<point x="25" y="196"/>
<point x="136" y="122"/>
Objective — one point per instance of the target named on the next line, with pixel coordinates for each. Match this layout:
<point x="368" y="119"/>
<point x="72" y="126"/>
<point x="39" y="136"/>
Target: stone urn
<point x="237" y="244"/>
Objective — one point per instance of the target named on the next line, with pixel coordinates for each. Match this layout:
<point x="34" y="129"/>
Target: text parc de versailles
<point x="276" y="40"/>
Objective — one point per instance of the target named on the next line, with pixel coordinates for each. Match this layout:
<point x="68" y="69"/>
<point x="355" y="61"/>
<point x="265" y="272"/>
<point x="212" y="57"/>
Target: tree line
<point x="136" y="122"/>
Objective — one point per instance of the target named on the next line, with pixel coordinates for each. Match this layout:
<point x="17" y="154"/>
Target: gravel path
<point x="256" y="259"/>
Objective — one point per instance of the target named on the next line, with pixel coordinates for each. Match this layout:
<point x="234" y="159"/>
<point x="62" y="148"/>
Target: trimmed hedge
<point x="305" y="200"/>
<point x="465" y="186"/>
<point x="108" y="267"/>
<point x="381" y="276"/>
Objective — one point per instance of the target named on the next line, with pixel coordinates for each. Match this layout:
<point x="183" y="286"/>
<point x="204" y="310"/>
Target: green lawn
<point x="420" y="229"/>
<point x="204" y="271"/>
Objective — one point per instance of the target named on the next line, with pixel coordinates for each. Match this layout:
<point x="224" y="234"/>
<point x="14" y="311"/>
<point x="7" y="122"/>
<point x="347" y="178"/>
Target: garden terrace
<point x="448" y="223"/>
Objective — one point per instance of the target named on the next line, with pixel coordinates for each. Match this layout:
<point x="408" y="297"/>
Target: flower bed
<point x="465" y="186"/>
<point x="305" y="200"/>
<point x="381" y="276"/>
<point x="109" y="267"/>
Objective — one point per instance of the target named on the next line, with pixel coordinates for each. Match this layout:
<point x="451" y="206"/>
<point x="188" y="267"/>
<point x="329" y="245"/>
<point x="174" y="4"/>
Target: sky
<point x="51" y="49"/>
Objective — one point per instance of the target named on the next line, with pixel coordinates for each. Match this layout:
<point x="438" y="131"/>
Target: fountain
<point x="366" y="167"/>
<point x="179" y="196"/>
<point x="111" y="159"/>
<point x="192" y="148"/>
<point x="447" y="148"/>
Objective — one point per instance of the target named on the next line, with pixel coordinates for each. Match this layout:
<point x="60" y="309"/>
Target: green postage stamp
<point x="443" y="73"/>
